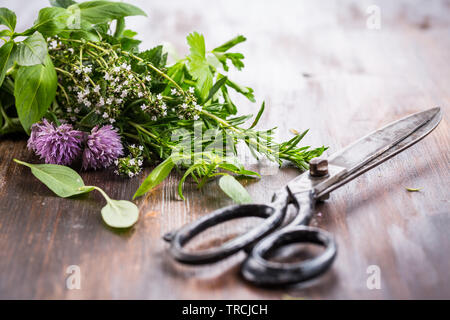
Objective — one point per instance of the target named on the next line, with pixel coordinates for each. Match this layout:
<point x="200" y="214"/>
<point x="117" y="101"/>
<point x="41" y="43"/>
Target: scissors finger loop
<point x="259" y="270"/>
<point x="273" y="218"/>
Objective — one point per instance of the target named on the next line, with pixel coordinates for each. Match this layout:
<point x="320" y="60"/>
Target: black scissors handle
<point x="273" y="217"/>
<point x="261" y="240"/>
<point x="261" y="271"/>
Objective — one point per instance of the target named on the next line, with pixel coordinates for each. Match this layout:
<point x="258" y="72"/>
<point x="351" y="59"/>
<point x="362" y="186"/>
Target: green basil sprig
<point x="65" y="182"/>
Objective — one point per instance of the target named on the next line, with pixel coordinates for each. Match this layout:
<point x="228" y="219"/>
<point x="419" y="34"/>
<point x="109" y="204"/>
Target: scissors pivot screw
<point x="318" y="167"/>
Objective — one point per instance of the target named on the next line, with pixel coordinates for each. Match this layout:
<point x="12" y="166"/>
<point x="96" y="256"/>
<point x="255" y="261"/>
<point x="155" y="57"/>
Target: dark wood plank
<point x="317" y="66"/>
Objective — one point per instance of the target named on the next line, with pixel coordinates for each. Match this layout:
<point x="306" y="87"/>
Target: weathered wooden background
<point x="318" y="66"/>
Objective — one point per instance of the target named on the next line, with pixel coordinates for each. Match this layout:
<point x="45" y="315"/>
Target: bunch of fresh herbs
<point x="79" y="68"/>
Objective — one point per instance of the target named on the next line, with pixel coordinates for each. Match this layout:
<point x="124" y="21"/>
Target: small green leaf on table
<point x="413" y="189"/>
<point x="155" y="177"/>
<point x="234" y="189"/>
<point x="120" y="213"/>
<point x="62" y="180"/>
<point x="65" y="182"/>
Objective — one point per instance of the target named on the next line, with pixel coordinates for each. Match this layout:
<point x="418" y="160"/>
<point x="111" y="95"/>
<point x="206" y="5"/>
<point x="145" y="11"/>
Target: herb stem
<point x="227" y="125"/>
<point x="107" y="198"/>
<point x="64" y="91"/>
<point x="140" y="128"/>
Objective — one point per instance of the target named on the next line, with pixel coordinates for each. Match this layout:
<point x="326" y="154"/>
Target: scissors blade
<point x="374" y="144"/>
<point x="378" y="146"/>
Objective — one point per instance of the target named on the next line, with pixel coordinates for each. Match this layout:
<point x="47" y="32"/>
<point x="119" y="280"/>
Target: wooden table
<point x="317" y="65"/>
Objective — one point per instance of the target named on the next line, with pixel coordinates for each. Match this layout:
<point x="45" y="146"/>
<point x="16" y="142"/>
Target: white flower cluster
<point x="131" y="165"/>
<point x="188" y="108"/>
<point x="106" y="96"/>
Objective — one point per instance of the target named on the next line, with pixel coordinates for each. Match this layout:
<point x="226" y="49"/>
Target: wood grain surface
<point x="317" y="65"/>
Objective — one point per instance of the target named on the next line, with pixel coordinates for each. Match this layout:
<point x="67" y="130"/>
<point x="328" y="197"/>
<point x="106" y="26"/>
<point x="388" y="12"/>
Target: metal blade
<point x="380" y="145"/>
<point x="365" y="149"/>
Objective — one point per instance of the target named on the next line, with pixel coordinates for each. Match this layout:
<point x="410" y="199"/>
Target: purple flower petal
<point x="103" y="146"/>
<point x="56" y="145"/>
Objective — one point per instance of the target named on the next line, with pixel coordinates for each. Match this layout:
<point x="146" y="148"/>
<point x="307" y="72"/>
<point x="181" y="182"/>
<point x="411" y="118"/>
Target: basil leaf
<point x="62" y="3"/>
<point x="52" y="21"/>
<point x="34" y="91"/>
<point x="120" y="213"/>
<point x="62" y="180"/>
<point x="5" y="33"/>
<point x="103" y="11"/>
<point x="155" y="177"/>
<point x="8" y="18"/>
<point x="5" y="52"/>
<point x="32" y="50"/>
<point x="234" y="189"/>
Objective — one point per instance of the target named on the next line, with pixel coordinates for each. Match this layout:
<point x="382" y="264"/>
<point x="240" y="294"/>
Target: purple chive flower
<point x="55" y="144"/>
<point x="103" y="146"/>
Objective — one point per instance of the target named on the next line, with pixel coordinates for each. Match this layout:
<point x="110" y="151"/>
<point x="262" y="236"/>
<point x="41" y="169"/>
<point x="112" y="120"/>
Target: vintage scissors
<point x="325" y="175"/>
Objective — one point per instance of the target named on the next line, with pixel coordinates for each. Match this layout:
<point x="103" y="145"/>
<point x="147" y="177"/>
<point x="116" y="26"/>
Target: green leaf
<point x="62" y="180"/>
<point x="54" y="20"/>
<point x="129" y="44"/>
<point x="198" y="66"/>
<point x="155" y="177"/>
<point x="85" y="34"/>
<point x="219" y="83"/>
<point x="103" y="11"/>
<point x="34" y="90"/>
<point x="238" y="170"/>
<point x="229" y="44"/>
<point x="5" y="52"/>
<point x="120" y="213"/>
<point x="186" y="174"/>
<point x="413" y="189"/>
<point x="246" y="91"/>
<point x="8" y="18"/>
<point x="258" y="116"/>
<point x="236" y="59"/>
<point x="62" y="3"/>
<point x="5" y="33"/>
<point x="245" y="172"/>
<point x="196" y="44"/>
<point x="129" y="33"/>
<point x="31" y="51"/>
<point x="234" y="189"/>
<point x="155" y="56"/>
